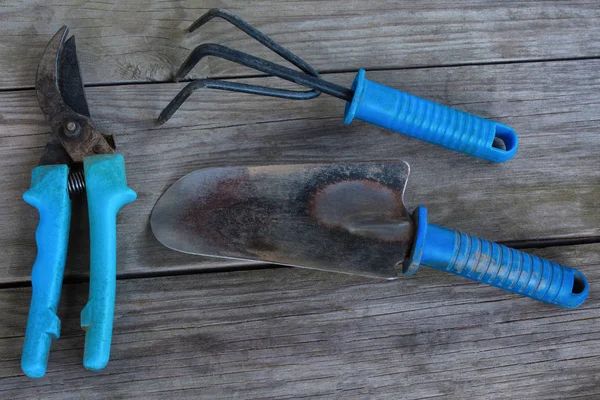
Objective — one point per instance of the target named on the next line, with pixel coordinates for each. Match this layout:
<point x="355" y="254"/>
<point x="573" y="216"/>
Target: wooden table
<point x="192" y="327"/>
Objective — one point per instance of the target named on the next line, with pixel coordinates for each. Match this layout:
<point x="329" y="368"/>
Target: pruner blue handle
<point x="107" y="192"/>
<point x="494" y="264"/>
<point x="48" y="193"/>
<point x="431" y="122"/>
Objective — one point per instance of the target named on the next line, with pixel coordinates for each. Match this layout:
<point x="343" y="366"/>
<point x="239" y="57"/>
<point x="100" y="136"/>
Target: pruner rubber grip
<point x="431" y="122"/>
<point x="107" y="192"/>
<point x="48" y="193"/>
<point x="494" y="264"/>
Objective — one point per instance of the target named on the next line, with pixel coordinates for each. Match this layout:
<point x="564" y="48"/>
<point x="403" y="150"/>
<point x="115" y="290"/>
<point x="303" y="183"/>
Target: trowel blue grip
<point x="431" y="122"/>
<point x="494" y="264"/>
<point x="107" y="192"/>
<point x="48" y="193"/>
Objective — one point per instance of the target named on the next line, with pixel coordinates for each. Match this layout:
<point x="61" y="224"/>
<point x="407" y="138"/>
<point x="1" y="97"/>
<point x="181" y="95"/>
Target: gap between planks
<point x="327" y="72"/>
<point x="258" y="265"/>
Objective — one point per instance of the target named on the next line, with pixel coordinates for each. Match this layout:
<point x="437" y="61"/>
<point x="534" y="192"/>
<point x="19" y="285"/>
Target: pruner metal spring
<point x="366" y="100"/>
<point x="76" y="182"/>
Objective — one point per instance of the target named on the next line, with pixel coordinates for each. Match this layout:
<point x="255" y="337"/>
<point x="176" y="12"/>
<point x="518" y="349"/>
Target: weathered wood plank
<point x="145" y="40"/>
<point x="290" y="333"/>
<point x="549" y="190"/>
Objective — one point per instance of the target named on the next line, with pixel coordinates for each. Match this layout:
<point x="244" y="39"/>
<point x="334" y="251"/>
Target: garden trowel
<point x="343" y="217"/>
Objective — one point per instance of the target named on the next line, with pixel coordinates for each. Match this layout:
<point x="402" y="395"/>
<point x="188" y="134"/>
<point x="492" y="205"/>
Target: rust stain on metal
<point x="364" y="208"/>
<point x="344" y="217"/>
<point x="229" y="205"/>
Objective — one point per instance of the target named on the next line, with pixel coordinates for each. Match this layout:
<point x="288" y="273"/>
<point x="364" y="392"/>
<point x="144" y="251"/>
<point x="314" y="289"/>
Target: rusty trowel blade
<point x="345" y="217"/>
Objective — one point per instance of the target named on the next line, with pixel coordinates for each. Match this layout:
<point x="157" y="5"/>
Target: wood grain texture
<point x="286" y="333"/>
<point x="549" y="190"/>
<point x="290" y="333"/>
<point x="126" y="41"/>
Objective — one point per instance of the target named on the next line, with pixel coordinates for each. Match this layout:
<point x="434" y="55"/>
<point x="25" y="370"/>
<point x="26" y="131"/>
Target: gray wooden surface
<point x="285" y="333"/>
<point x="290" y="333"/>
<point x="132" y="41"/>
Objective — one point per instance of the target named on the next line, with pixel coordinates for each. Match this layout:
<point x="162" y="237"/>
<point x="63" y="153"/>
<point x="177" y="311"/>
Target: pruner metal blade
<point x="69" y="79"/>
<point x="58" y="80"/>
<point x="46" y="81"/>
<point x="61" y="97"/>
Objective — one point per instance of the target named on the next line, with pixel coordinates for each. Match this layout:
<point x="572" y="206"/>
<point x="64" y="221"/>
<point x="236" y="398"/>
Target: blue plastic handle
<point x="432" y="122"/>
<point x="48" y="193"/>
<point x="107" y="192"/>
<point x="494" y="264"/>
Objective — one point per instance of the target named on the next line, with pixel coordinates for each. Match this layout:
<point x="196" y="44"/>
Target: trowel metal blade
<point x="344" y="217"/>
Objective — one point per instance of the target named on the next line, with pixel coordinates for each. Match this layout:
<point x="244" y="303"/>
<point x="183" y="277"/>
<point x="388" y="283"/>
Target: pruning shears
<point x="78" y="158"/>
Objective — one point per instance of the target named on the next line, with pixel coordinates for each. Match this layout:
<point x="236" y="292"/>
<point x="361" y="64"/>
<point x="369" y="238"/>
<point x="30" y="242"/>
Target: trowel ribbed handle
<point x="431" y="122"/>
<point x="497" y="265"/>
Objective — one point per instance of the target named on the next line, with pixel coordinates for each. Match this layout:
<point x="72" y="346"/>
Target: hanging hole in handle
<point x="505" y="138"/>
<point x="499" y="144"/>
<point x="578" y="284"/>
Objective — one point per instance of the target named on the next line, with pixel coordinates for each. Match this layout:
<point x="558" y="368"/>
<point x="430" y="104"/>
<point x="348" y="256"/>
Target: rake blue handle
<point x="48" y="193"/>
<point x="494" y="264"/>
<point x="431" y="122"/>
<point x="107" y="192"/>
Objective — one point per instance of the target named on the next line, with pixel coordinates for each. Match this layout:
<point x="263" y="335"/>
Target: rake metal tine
<point x="256" y="34"/>
<point x="191" y="87"/>
<point x="268" y="67"/>
<point x="307" y="76"/>
<point x="210" y="49"/>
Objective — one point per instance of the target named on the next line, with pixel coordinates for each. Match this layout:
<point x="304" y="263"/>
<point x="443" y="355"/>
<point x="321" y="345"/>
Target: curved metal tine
<point x="256" y="34"/>
<point x="215" y="50"/>
<point x="241" y="58"/>
<point x="190" y="88"/>
<point x="268" y="67"/>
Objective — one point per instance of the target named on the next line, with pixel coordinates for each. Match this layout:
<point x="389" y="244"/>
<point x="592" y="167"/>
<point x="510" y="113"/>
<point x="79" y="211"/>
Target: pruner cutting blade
<point x="61" y="96"/>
